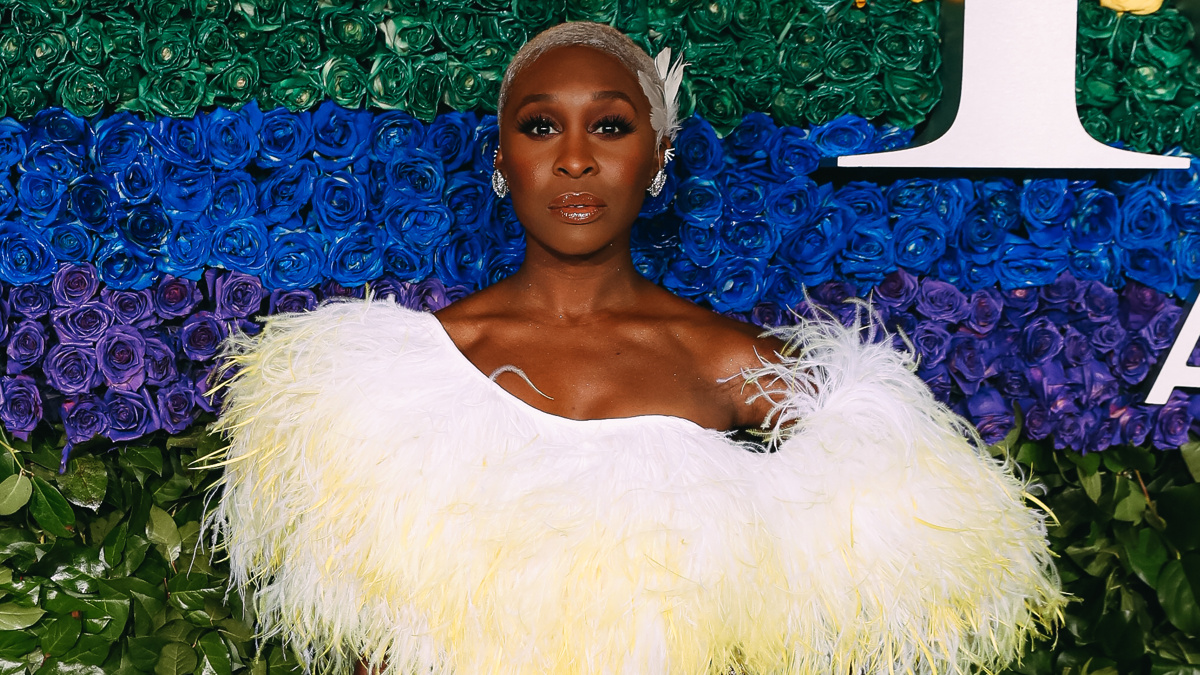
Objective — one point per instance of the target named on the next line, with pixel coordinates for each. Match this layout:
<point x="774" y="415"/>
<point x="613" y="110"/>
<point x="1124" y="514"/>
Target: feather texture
<point x="663" y="94"/>
<point x="384" y="499"/>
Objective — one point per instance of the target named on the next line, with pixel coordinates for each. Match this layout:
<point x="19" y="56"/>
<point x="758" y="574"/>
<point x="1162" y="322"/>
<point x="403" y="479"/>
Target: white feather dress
<point x="385" y="500"/>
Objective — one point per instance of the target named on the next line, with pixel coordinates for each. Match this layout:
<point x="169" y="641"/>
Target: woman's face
<point x="577" y="149"/>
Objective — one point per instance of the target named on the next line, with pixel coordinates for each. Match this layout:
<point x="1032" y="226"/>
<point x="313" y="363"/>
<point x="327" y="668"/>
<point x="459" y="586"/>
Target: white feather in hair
<point x="664" y="97"/>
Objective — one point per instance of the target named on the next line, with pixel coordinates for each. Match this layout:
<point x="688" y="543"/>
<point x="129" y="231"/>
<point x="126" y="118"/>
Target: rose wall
<point x="172" y="171"/>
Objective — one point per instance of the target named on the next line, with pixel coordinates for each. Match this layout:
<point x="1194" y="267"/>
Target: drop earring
<point x="499" y="185"/>
<point x="656" y="185"/>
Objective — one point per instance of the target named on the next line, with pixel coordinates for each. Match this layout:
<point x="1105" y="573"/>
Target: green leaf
<point x="1191" y="456"/>
<point x="214" y="655"/>
<point x="187" y="592"/>
<point x="176" y="658"/>
<point x="15" y="644"/>
<point x="1147" y="555"/>
<point x="1131" y="503"/>
<point x="114" y="544"/>
<point x="171" y="490"/>
<point x="161" y="530"/>
<point x="86" y="482"/>
<point x="144" y="651"/>
<point x="15" y="617"/>
<point x="91" y="650"/>
<point x="1179" y="506"/>
<point x="14" y="493"/>
<point x="50" y="510"/>
<point x="1178" y="598"/>
<point x="1091" y="482"/>
<point x="145" y="457"/>
<point x="59" y="635"/>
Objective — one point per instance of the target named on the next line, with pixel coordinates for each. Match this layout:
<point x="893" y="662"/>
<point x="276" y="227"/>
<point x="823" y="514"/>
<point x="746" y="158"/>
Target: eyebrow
<point x="606" y="94"/>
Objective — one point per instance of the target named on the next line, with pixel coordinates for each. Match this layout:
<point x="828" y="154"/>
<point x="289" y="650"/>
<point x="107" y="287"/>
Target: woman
<point x="583" y="509"/>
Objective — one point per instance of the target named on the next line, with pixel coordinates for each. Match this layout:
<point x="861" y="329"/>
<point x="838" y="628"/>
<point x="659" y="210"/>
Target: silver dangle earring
<point x="656" y="185"/>
<point x="499" y="185"/>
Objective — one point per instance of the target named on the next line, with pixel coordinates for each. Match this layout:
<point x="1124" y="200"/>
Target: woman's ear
<point x="663" y="147"/>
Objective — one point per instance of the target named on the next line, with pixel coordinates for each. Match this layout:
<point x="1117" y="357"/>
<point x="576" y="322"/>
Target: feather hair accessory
<point x="664" y="93"/>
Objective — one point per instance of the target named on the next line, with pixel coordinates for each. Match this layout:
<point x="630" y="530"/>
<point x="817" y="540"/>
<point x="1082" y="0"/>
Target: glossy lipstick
<point x="577" y="207"/>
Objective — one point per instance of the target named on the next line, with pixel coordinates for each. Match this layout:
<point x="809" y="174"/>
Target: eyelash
<point x="622" y="124"/>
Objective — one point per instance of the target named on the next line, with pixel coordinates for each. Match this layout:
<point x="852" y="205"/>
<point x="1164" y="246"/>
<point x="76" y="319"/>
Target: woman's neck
<point x="555" y="286"/>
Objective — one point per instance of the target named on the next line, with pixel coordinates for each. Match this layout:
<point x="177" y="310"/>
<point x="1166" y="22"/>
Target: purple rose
<point x="84" y="417"/>
<point x="131" y="414"/>
<point x="938" y="379"/>
<point x="176" y="406"/>
<point x="31" y="301"/>
<point x="1010" y="378"/>
<point x="132" y="308"/>
<point x="1134" y="423"/>
<point x="26" y="346"/>
<point x="1140" y="304"/>
<point x="1160" y="330"/>
<point x="832" y="293"/>
<point x="22" y="405"/>
<point x="302" y="300"/>
<point x="1072" y="430"/>
<point x="1099" y="301"/>
<point x="82" y="324"/>
<point x="766" y="315"/>
<point x="1173" y="422"/>
<point x="1041" y="341"/>
<point x="332" y="289"/>
<point x="1019" y="303"/>
<point x="175" y="297"/>
<point x="1064" y="293"/>
<point x="1095" y="382"/>
<point x="1131" y="360"/>
<point x="160" y="363"/>
<point x="966" y="363"/>
<point x="201" y="336"/>
<point x="1038" y="424"/>
<point x="208" y="397"/>
<point x="1108" y="336"/>
<point x="1077" y="348"/>
<point x="992" y="414"/>
<point x="238" y="295"/>
<point x="898" y="290"/>
<point x="389" y="288"/>
<point x="985" y="308"/>
<point x="932" y="342"/>
<point x="71" y="369"/>
<point x="121" y="355"/>
<point x="75" y="283"/>
<point x="429" y="296"/>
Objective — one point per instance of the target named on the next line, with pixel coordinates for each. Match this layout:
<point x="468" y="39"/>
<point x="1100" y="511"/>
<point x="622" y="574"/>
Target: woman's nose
<point x="575" y="158"/>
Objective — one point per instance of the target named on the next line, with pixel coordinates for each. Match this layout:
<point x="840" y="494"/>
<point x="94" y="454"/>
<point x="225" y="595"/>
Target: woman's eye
<point x="537" y="126"/>
<point x="613" y="126"/>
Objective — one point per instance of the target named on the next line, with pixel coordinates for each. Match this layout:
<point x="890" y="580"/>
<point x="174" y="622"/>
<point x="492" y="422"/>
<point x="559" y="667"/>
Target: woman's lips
<point x="577" y="207"/>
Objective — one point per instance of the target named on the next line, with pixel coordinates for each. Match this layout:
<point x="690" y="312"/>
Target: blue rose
<point x="60" y="127"/>
<point x="470" y="201"/>
<point x="700" y="242"/>
<point x="25" y="255"/>
<point x="30" y="300"/>
<point x="180" y="141"/>
<point x="283" y="137"/>
<point x="394" y="134"/>
<point x="140" y="180"/>
<point x="1187" y="216"/>
<point x="89" y="199"/>
<point x="70" y="242"/>
<point x="1094" y="223"/>
<point x="941" y="301"/>
<point x="186" y="192"/>
<point x="784" y="286"/>
<point x="75" y="284"/>
<point x="201" y="336"/>
<point x="84" y="417"/>
<point x="791" y="155"/>
<point x="232" y="139"/>
<point x="737" y="284"/>
<point x="147" y="227"/>
<point x="892" y="137"/>
<point x="949" y="268"/>
<point x="1046" y="204"/>
<point x="175" y="297"/>
<point x="188" y="249"/>
<point x="1145" y="219"/>
<point x="462" y="260"/>
<point x="26" y="345"/>
<point x="407" y="263"/>
<point x="792" y="203"/>
<point x="1131" y="360"/>
<point x="686" y="278"/>
<point x="417" y="224"/>
<point x="54" y="160"/>
<point x="71" y="369"/>
<point x="21" y="409"/>
<point x="981" y="235"/>
<point x="651" y="206"/>
<point x="241" y="245"/>
<point x="13" y="141"/>
<point x="867" y="201"/>
<point x="1000" y="201"/>
<point x="932" y="342"/>
<point x="698" y="149"/>
<point x="234" y="197"/>
<point x="868" y="255"/>
<point x="1151" y="266"/>
<point x="846" y="135"/>
<point x="751" y="238"/>
<point x="920" y="240"/>
<point x="745" y="197"/>
<point x="8" y="196"/>
<point x="176" y="407"/>
<point x="651" y="263"/>
<point x="416" y="175"/>
<point x="750" y="137"/>
<point x="341" y="137"/>
<point x="486" y="140"/>
<point x="131" y="414"/>
<point x="132" y="308"/>
<point x="286" y="190"/>
<point x="1023" y="264"/>
<point x="1102" y="265"/>
<point x="356" y="256"/>
<point x="451" y="138"/>
<point x="812" y="246"/>
<point x="39" y="196"/>
<point x="296" y="260"/>
<point x="298" y="300"/>
<point x="985" y="308"/>
<point x="502" y="264"/>
<point x="119" y="138"/>
<point x="952" y="200"/>
<point x="1187" y="256"/>
<point x="339" y="202"/>
<point x="1041" y="341"/>
<point x="121" y="357"/>
<point x="699" y="200"/>
<point x="912" y="197"/>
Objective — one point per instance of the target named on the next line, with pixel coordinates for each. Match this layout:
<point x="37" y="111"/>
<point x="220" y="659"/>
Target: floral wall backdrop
<point x="171" y="171"/>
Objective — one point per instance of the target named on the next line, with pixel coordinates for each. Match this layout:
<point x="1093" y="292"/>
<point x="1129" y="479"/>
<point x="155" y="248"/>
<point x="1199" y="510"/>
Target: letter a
<point x="1175" y="372"/>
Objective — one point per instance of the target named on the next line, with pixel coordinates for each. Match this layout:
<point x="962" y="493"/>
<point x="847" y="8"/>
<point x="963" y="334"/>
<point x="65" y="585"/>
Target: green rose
<point x="286" y="53"/>
<point x="1098" y="125"/>
<point x="211" y="9"/>
<point x="169" y="49"/>
<point x="389" y="82"/>
<point x="536" y="16"/>
<point x="829" y="101"/>
<point x="870" y="100"/>
<point x="913" y="95"/>
<point x="1096" y="22"/>
<point x="1100" y="84"/>
<point x="214" y="45"/>
<point x="708" y="18"/>
<point x="65" y="7"/>
<point x="263" y="14"/>
<point x="716" y="102"/>
<point x="1126" y="36"/>
<point x="246" y="39"/>
<point x="428" y="78"/>
<point x="789" y="104"/>
<point x="1190" y="129"/>
<point x="82" y="90"/>
<point x="849" y="61"/>
<point x="758" y="74"/>
<point x="911" y="16"/>
<point x="467" y="89"/>
<point x="298" y="92"/>
<point x="174" y="93"/>
<point x="712" y="59"/>
<point x="47" y="50"/>
<point x="87" y="42"/>
<point x="406" y="36"/>
<point x="123" y="36"/>
<point x="687" y="98"/>
<point x="349" y="32"/>
<point x="601" y="11"/>
<point x="1170" y="125"/>
<point x="851" y="22"/>
<point x="12" y="47"/>
<point x="802" y="64"/>
<point x="504" y="29"/>
<point x="750" y="18"/>
<point x="344" y="81"/>
<point x="28" y="18"/>
<point x="158" y="12"/>
<point x="490" y="58"/>
<point x="458" y="30"/>
<point x="25" y="98"/>
<point x="236" y="84"/>
<point x="902" y="50"/>
<point x="1138" y="126"/>
<point x="122" y="76"/>
<point x="1166" y="35"/>
<point x="1152" y="82"/>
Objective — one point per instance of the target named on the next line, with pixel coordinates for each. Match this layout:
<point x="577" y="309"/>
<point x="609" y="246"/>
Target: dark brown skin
<point x="577" y="318"/>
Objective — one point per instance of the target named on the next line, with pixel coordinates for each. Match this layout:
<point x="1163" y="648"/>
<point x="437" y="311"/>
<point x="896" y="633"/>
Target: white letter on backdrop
<point x="1175" y="372"/>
